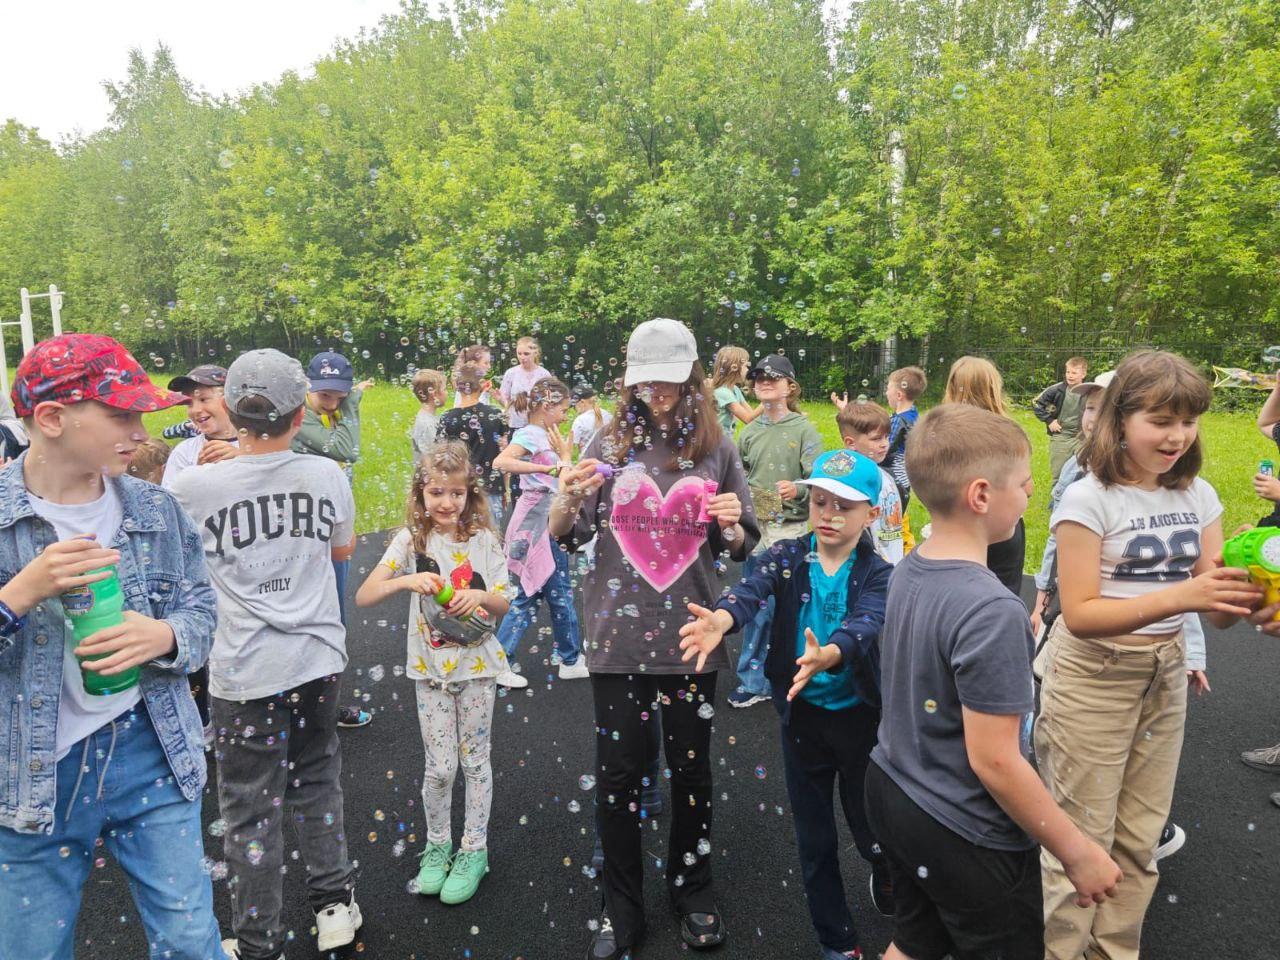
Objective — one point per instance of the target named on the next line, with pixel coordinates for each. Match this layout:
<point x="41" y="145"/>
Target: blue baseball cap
<point x="848" y="475"/>
<point x="330" y="371"/>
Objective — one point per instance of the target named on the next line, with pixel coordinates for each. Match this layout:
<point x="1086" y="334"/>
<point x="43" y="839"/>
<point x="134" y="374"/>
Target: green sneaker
<point x="433" y="868"/>
<point x="469" y="868"/>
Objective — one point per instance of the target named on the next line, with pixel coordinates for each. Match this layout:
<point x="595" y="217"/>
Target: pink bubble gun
<point x="605" y="470"/>
<point x="709" y="489"/>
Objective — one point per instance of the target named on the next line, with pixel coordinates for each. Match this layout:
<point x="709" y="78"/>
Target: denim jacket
<point x="162" y="575"/>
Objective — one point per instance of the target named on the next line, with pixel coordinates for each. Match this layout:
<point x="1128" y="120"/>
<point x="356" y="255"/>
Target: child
<point x="477" y="355"/>
<point x="728" y="374"/>
<point x="827" y="622"/>
<point x="215" y="438"/>
<point x="331" y="428"/>
<point x="1138" y="535"/>
<point x="901" y="391"/>
<point x="448" y="540"/>
<point x="591" y="419"/>
<point x="778" y="448"/>
<point x="951" y="797"/>
<point x="1058" y="408"/>
<point x="664" y="446"/>
<point x="864" y="427"/>
<point x="482" y="428"/>
<point x="66" y="512"/>
<point x="540" y="567"/>
<point x="518" y="380"/>
<point x="271" y="522"/>
<point x="429" y="388"/>
<point x="149" y="459"/>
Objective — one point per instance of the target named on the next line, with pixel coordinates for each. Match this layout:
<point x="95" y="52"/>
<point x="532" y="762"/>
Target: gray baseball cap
<point x="275" y="377"/>
<point x="661" y="351"/>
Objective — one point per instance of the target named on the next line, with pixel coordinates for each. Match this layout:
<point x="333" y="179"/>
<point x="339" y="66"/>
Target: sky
<point x="57" y="53"/>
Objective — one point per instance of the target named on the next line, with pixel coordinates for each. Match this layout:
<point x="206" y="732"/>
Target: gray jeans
<point x="280" y="755"/>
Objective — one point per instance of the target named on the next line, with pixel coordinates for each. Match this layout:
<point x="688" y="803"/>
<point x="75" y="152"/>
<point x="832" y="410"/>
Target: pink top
<point x="515" y="382"/>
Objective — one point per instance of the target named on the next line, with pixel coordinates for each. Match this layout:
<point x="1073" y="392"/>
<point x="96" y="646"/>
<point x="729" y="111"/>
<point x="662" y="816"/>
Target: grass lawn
<point x="1233" y="447"/>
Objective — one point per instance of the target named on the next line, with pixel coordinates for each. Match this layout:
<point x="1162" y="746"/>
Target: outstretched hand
<point x="815" y="659"/>
<point x="703" y="634"/>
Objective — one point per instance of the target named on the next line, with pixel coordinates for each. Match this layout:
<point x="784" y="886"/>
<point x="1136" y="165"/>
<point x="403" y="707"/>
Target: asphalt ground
<point x="1217" y="898"/>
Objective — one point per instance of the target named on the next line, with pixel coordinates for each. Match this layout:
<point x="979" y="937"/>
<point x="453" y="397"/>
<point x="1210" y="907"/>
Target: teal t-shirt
<point x="823" y="614"/>
<point x="725" y="396"/>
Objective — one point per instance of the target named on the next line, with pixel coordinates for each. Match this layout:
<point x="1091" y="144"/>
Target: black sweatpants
<point x="622" y="762"/>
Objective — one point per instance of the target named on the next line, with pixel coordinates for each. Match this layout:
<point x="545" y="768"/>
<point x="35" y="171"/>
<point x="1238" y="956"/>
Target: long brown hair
<point x="729" y="368"/>
<point x="451" y="458"/>
<point x="697" y="431"/>
<point x="977" y="382"/>
<point x="544" y="393"/>
<point x="1146" y="380"/>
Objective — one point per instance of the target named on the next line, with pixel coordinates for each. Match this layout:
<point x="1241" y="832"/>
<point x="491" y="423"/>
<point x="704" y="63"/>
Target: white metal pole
<point x="55" y="309"/>
<point x="28" y="340"/>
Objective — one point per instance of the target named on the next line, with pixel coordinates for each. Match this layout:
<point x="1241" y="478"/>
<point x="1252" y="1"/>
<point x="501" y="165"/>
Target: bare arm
<point x="743" y="411"/>
<point x="343" y="553"/>
<point x="991" y="742"/>
<point x="511" y="460"/>
<point x="1269" y="415"/>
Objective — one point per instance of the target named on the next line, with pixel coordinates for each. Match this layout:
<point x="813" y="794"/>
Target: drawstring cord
<point x="84" y="765"/>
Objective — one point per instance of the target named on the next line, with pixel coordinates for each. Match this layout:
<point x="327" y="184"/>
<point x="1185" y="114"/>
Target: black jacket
<point x="1048" y="405"/>
<point x="785" y="576"/>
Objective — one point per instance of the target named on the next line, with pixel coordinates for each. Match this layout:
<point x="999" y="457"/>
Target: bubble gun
<point x="1258" y="551"/>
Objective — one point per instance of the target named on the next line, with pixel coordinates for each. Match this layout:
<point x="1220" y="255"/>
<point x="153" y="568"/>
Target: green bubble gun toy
<point x="1258" y="551"/>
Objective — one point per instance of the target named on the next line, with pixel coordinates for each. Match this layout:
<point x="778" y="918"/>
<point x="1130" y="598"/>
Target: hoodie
<point x="785" y="449"/>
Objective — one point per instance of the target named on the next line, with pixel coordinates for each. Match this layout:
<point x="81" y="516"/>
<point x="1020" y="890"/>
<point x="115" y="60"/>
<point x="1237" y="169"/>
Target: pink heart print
<point x="660" y="536"/>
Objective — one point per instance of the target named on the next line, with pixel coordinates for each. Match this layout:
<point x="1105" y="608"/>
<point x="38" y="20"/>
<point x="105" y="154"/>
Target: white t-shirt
<point x="584" y="427"/>
<point x="887" y="528"/>
<point x="81" y="713"/>
<point x="186" y="455"/>
<point x="423" y="433"/>
<point x="533" y="438"/>
<point x="477" y="564"/>
<point x="1150" y="538"/>
<point x="268" y="523"/>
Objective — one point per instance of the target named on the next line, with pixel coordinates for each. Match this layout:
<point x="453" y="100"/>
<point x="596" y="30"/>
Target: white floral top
<point x="477" y="564"/>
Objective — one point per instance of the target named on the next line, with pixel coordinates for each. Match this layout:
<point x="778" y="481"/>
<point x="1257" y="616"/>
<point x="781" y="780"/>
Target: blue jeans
<point x="126" y="795"/>
<point x="496" y="510"/>
<point x="755" y="638"/>
<point x="558" y="592"/>
<point x="340" y="570"/>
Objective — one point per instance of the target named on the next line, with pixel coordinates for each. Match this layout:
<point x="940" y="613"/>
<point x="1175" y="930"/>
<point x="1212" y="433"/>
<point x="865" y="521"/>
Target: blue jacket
<point x="784" y="575"/>
<point x="162" y="575"/>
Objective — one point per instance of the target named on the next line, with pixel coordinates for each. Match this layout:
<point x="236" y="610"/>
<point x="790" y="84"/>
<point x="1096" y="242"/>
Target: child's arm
<point x="511" y="460"/>
<point x="342" y="443"/>
<point x="744" y="411"/>
<point x="60" y="567"/>
<point x="383" y="582"/>
<point x="992" y="744"/>
<point x="1269" y="415"/>
<point x="744" y="600"/>
<point x="1222" y="593"/>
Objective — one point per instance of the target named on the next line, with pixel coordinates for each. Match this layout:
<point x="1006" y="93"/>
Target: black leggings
<point x="621" y="764"/>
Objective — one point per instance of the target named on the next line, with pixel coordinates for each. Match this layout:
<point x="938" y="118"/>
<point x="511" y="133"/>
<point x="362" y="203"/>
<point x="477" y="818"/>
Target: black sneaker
<point x="354" y="717"/>
<point x="702" y="931"/>
<point x="882" y="890"/>
<point x="1172" y="837"/>
<point x="604" y="943"/>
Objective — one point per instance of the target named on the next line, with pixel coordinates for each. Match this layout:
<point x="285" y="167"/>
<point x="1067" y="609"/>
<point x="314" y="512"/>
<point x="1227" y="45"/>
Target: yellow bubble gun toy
<point x="1258" y="551"/>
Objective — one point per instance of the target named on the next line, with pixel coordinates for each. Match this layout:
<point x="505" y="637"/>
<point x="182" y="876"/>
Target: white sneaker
<point x="577" y="671"/>
<point x="336" y="925"/>
<point x="232" y="949"/>
<point x="509" y="678"/>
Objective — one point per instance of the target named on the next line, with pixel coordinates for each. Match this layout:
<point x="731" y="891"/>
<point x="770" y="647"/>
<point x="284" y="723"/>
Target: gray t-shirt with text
<point x="953" y="636"/>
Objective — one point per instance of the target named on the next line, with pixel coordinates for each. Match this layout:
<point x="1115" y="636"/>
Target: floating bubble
<point x="323" y="109"/>
<point x="922" y="873"/>
<point x="706" y="711"/>
<point x="254" y="852"/>
<point x="792" y="202"/>
<point x="931" y="706"/>
<point x="959" y="91"/>
<point x="586" y="781"/>
<point x="1106" y="277"/>
<point x="761" y="773"/>
<point x="217" y="828"/>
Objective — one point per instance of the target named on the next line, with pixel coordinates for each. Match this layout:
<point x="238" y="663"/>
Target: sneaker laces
<point x="1268" y="755"/>
<point x="467" y="861"/>
<point x="435" y="855"/>
<point x="606" y="925"/>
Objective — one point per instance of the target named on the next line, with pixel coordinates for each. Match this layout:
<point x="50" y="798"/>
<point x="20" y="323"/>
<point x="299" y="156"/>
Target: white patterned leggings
<point x="456" y="720"/>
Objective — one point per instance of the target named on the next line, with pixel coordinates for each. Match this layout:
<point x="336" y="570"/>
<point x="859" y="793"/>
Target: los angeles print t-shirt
<point x="268" y="523"/>
<point x="476" y="564"/>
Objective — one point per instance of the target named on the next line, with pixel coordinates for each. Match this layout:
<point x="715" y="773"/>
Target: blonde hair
<point x="863" y="419"/>
<point x="729" y="368"/>
<point x="910" y="380"/>
<point x="595" y="409"/>
<point x="530" y="342"/>
<point x="1146" y="380"/>
<point x="451" y="458"/>
<point x="546" y="392"/>
<point x="429" y="385"/>
<point x="977" y="382"/>
<point x="148" y="460"/>
<point x="956" y="443"/>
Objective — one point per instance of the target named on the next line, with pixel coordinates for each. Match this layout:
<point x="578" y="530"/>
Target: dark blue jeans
<point x="558" y="592"/>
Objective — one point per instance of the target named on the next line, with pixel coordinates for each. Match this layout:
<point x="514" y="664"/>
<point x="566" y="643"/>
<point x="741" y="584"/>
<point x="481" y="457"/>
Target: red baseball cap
<point x="86" y="366"/>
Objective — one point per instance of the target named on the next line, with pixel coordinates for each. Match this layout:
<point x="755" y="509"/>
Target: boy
<point x="951" y="797"/>
<point x="331" y="428"/>
<point x="123" y="769"/>
<point x="864" y="428"/>
<point x="901" y="391"/>
<point x="429" y="388"/>
<point x="830" y="706"/>
<point x="271" y="522"/>
<point x="215" y="438"/>
<point x="482" y="428"/>
<point x="778" y="447"/>
<point x="1058" y="408"/>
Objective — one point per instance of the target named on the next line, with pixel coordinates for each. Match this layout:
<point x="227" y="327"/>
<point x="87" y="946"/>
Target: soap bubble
<point x="254" y="852"/>
<point x="959" y="91"/>
<point x="227" y="159"/>
<point x="586" y="781"/>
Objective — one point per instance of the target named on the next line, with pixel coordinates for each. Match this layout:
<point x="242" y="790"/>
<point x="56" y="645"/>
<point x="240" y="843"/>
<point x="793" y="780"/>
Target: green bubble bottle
<point x="1258" y="551"/>
<point x="91" y="608"/>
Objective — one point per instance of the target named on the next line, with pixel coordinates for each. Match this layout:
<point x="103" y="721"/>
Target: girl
<point x="728" y="374"/>
<point x="675" y="498"/>
<point x="1136" y="540"/>
<point x="448" y="540"/>
<point x="977" y="382"/>
<point x="539" y="567"/>
<point x="517" y="381"/>
<point x="477" y="355"/>
<point x="591" y="418"/>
